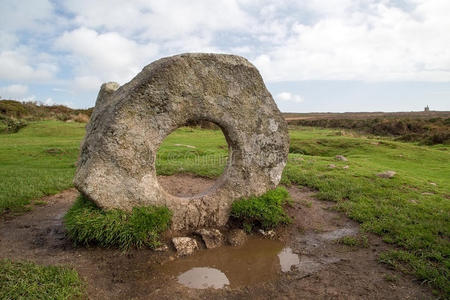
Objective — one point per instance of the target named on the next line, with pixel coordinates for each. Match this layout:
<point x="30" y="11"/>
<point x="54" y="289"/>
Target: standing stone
<point x="116" y="167"/>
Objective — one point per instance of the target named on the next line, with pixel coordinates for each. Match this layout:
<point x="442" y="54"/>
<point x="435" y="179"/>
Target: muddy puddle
<point x="259" y="260"/>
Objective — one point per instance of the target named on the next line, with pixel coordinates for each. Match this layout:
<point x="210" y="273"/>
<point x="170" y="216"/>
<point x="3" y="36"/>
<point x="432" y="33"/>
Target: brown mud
<point x="305" y="262"/>
<point x="185" y="185"/>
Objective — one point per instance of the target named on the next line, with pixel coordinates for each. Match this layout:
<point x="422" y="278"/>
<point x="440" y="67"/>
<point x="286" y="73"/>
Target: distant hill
<point x="15" y="114"/>
<point x="367" y="115"/>
<point x="428" y="127"/>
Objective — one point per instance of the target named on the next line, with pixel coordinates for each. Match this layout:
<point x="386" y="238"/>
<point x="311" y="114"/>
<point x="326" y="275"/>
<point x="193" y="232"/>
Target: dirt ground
<point x="325" y="269"/>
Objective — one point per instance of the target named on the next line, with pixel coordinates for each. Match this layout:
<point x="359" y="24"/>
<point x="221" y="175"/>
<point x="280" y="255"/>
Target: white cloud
<point x="107" y="56"/>
<point x="51" y="102"/>
<point x="31" y="98"/>
<point x="87" y="83"/>
<point x="26" y="15"/>
<point x="377" y="41"/>
<point x="163" y="20"/>
<point x="60" y="90"/>
<point x="288" y="97"/>
<point x="14" y="91"/>
<point x="8" y="40"/>
<point x="86" y="42"/>
<point x="17" y="65"/>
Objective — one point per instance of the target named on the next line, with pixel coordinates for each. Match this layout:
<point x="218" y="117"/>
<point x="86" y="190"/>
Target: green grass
<point x="355" y="241"/>
<point x="407" y="211"/>
<point x="203" y="152"/>
<point x="38" y="160"/>
<point x="265" y="211"/>
<point x="87" y="224"/>
<point x="26" y="280"/>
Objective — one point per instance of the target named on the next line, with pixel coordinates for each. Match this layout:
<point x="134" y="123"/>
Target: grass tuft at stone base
<point x="27" y="280"/>
<point x="265" y="211"/>
<point x="88" y="224"/>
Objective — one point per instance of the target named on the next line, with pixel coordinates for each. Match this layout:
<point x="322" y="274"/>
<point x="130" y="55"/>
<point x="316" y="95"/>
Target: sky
<point x="314" y="55"/>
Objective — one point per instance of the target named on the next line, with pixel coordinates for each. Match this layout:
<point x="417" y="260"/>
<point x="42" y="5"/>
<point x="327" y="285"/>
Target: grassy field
<point x="25" y="280"/>
<point x="39" y="160"/>
<point x="411" y="211"/>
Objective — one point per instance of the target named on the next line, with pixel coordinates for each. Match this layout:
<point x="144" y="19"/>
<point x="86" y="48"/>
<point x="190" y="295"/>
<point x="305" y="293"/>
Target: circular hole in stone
<point x="191" y="159"/>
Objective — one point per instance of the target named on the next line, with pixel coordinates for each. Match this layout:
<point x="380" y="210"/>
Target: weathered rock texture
<point x="387" y="174"/>
<point x="116" y="168"/>
<point x="237" y="237"/>
<point x="184" y="245"/>
<point x="213" y="238"/>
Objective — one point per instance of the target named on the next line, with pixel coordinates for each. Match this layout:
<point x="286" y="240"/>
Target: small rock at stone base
<point x="345" y="167"/>
<point x="213" y="238"/>
<point x="268" y="234"/>
<point x="162" y="248"/>
<point x="237" y="237"/>
<point x="386" y="174"/>
<point x="185" y="245"/>
<point x="341" y="157"/>
<point x="331" y="166"/>
<point x="432" y="183"/>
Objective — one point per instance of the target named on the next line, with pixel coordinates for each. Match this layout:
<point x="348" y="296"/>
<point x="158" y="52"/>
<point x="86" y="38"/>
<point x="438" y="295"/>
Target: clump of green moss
<point x="265" y="211"/>
<point x="88" y="224"/>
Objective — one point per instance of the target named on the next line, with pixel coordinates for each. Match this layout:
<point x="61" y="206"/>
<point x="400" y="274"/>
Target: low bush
<point x="88" y="224"/>
<point x="10" y="125"/>
<point x="265" y="211"/>
<point x="34" y="111"/>
<point x="12" y="108"/>
<point x="26" y="280"/>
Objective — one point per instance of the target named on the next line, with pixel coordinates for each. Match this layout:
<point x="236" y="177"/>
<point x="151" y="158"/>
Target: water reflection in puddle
<point x="203" y="278"/>
<point x="288" y="259"/>
<point x="259" y="260"/>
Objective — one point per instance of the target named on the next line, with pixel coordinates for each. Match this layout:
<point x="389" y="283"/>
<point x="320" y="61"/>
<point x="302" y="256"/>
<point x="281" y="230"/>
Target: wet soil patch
<point x="185" y="185"/>
<point x="305" y="262"/>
